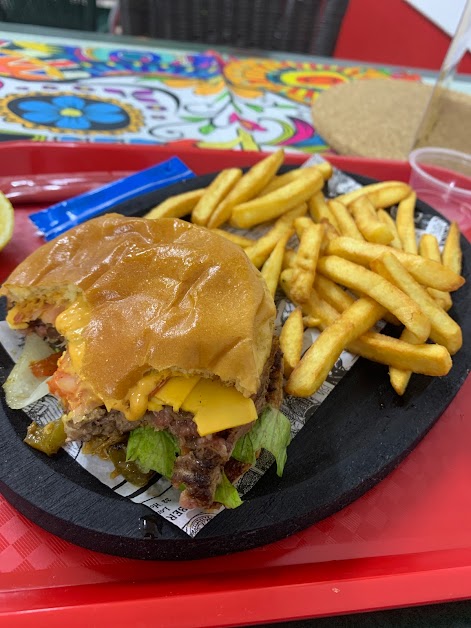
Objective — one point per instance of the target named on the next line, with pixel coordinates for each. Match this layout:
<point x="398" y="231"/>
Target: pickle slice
<point x="48" y="439"/>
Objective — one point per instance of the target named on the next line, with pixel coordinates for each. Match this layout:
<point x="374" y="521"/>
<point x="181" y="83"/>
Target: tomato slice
<point x="45" y="367"/>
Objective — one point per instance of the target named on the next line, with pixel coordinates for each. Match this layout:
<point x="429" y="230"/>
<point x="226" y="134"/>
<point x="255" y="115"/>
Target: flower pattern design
<point x="69" y="112"/>
<point x="72" y="112"/>
<point x="78" y="92"/>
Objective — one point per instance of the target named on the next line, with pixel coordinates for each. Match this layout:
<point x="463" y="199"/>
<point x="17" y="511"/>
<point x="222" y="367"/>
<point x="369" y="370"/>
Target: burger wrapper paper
<point x="159" y="495"/>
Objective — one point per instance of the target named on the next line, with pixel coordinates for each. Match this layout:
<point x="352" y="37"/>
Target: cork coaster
<point x="379" y="118"/>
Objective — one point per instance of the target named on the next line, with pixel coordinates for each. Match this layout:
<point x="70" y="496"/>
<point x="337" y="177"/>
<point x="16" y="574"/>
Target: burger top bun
<point x="157" y="294"/>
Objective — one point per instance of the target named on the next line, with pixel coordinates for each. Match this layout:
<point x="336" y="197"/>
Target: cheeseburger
<point x="165" y="336"/>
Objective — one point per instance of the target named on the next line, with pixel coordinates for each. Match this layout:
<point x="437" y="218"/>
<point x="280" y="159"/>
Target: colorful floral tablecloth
<point x="62" y="90"/>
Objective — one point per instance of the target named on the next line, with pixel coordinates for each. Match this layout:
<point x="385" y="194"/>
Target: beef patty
<point x="202" y="459"/>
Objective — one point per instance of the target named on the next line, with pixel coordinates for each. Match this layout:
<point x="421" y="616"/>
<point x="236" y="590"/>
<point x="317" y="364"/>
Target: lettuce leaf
<point x="153" y="449"/>
<point x="226" y="494"/>
<point x="271" y="431"/>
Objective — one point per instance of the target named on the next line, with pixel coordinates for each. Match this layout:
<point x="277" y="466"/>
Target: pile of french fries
<point x="351" y="266"/>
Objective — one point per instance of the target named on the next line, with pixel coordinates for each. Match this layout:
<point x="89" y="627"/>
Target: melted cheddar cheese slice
<point x="217" y="407"/>
<point x="176" y="390"/>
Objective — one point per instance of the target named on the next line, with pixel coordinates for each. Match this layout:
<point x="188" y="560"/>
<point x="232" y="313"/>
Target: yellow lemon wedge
<point x="6" y="221"/>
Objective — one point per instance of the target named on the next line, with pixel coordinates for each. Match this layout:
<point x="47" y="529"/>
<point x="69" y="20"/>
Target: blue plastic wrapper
<point x="58" y="218"/>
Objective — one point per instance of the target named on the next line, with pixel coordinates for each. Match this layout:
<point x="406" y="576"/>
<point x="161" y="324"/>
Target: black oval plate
<point x="359" y="434"/>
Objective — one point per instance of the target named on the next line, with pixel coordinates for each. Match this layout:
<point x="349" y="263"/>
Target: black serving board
<point x="360" y="433"/>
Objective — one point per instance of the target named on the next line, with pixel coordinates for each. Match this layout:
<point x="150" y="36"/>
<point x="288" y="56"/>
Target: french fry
<point x="347" y="226"/>
<point x="433" y="360"/>
<point x="251" y="183"/>
<point x="385" y="217"/>
<point x="281" y="180"/>
<point x="444" y="330"/>
<point x="388" y="317"/>
<point x="428" y="248"/>
<point x="426" y="272"/>
<point x="278" y="202"/>
<point x="370" y="227"/>
<point x="300" y="224"/>
<point x="381" y="290"/>
<point x="319" y="210"/>
<point x="383" y="194"/>
<point x="328" y="299"/>
<point x="176" y="206"/>
<point x="314" y="366"/>
<point x="312" y="321"/>
<point x="217" y="190"/>
<point x="288" y="258"/>
<point x="259" y="251"/>
<point x="304" y="269"/>
<point x="452" y="254"/>
<point x="291" y="340"/>
<point x="325" y="168"/>
<point x="331" y="292"/>
<point x="405" y="223"/>
<point x="338" y="298"/>
<point x="426" y="359"/>
<point x="286" y="279"/>
<point x="242" y="241"/>
<point x="272" y="267"/>
<point x="330" y="232"/>
<point x="316" y="308"/>
<point x="399" y="378"/>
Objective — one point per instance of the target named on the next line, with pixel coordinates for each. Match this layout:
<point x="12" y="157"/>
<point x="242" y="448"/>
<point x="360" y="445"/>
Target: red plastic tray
<point x="407" y="541"/>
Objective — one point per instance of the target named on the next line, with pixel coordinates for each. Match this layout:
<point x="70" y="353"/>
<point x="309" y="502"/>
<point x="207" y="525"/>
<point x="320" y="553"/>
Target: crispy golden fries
<point x="452" y="255"/>
<point x="426" y="359"/>
<point x="291" y="340"/>
<point x="405" y="223"/>
<point x="217" y="190"/>
<point x="385" y="217"/>
<point x="346" y="224"/>
<point x="288" y="258"/>
<point x="375" y="286"/>
<point x="399" y="378"/>
<point x="312" y="321"/>
<point x="444" y="330"/>
<point x="258" y="253"/>
<point x="428" y="248"/>
<point x="281" y="180"/>
<point x="330" y="232"/>
<point x="320" y="211"/>
<point x="382" y="194"/>
<point x="312" y="370"/>
<point x="247" y="187"/>
<point x="353" y="265"/>
<point x="426" y="272"/>
<point x="325" y="169"/>
<point x="300" y="224"/>
<point x="272" y="267"/>
<point x="368" y="223"/>
<point x="278" y="202"/>
<point x="242" y="241"/>
<point x="331" y="292"/>
<point x="176" y="206"/>
<point x="304" y="268"/>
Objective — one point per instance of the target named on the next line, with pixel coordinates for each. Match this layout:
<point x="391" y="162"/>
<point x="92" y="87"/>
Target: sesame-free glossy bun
<point x="164" y="294"/>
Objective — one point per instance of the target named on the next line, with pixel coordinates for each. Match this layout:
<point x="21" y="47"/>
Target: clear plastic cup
<point x="442" y="178"/>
